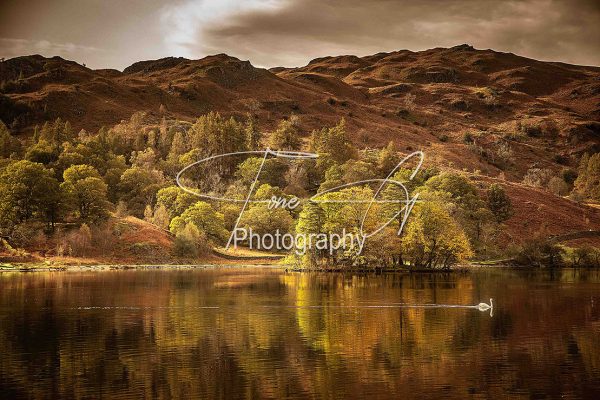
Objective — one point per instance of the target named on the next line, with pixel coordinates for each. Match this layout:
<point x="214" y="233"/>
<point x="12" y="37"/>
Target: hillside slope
<point x="490" y="113"/>
<point x="548" y="113"/>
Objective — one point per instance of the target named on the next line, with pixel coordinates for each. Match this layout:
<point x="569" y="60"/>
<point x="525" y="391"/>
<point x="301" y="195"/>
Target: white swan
<point x="485" y="307"/>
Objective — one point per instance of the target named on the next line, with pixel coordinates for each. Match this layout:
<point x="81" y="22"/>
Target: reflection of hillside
<point x="263" y="342"/>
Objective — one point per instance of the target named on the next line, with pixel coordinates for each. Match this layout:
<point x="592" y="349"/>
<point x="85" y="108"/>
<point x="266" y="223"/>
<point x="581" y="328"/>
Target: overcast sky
<point x="114" y="34"/>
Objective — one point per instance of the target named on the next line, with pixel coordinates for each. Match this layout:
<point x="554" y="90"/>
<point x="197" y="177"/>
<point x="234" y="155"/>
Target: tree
<point x="205" y="218"/>
<point x="286" y="136"/>
<point x="28" y="190"/>
<point x="273" y="171"/>
<point x="333" y="143"/>
<point x="433" y="239"/>
<point x="263" y="220"/>
<point x="190" y="241"/>
<point x="138" y="187"/>
<point x="467" y="208"/>
<point x="115" y="166"/>
<point x="8" y="144"/>
<point x="358" y="170"/>
<point x="215" y="135"/>
<point x="84" y="188"/>
<point x="253" y="134"/>
<point x="311" y="221"/>
<point x="588" y="180"/>
<point x="175" y="200"/>
<point x="42" y="152"/>
<point x="499" y="203"/>
<point x="388" y="159"/>
<point x="161" y="217"/>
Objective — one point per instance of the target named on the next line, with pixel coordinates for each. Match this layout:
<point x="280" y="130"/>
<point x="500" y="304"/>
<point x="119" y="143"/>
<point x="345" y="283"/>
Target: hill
<point x="548" y="113"/>
<point x="490" y="113"/>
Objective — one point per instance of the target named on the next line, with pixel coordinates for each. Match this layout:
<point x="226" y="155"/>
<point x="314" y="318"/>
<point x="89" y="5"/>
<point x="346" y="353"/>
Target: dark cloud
<point x="550" y="30"/>
<point x="291" y="32"/>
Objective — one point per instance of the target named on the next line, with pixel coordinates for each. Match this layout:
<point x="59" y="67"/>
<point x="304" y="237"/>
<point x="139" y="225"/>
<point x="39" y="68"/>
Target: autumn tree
<point x="137" y="187"/>
<point x="175" y="200"/>
<point x="333" y="143"/>
<point x="205" y="218"/>
<point x="433" y="239"/>
<point x="286" y="136"/>
<point x="387" y="159"/>
<point x="588" y="179"/>
<point x="84" y="188"/>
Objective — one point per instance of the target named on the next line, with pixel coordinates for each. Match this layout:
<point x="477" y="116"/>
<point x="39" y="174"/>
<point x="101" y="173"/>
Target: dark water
<point x="248" y="333"/>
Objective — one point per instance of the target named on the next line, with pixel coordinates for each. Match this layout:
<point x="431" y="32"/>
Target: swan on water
<point x="485" y="307"/>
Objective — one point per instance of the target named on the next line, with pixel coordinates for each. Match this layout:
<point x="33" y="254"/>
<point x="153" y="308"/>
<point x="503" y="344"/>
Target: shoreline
<point x="51" y="267"/>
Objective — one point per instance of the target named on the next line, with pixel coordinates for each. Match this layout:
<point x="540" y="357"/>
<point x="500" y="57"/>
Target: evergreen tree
<point x="499" y="203"/>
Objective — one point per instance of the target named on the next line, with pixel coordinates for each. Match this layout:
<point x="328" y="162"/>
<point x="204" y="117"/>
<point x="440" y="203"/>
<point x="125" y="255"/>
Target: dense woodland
<point x="61" y="186"/>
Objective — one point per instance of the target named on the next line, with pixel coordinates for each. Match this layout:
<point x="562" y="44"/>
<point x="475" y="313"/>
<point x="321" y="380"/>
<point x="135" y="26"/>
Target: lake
<point x="262" y="333"/>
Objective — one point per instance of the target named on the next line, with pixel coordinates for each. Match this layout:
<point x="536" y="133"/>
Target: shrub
<point x="540" y="253"/>
<point x="191" y="242"/>
<point x="583" y="257"/>
<point x="80" y="241"/>
<point x="502" y="154"/>
<point x="569" y="175"/>
<point x="531" y="130"/>
<point x="537" y="177"/>
<point x="468" y="138"/>
<point x="558" y="187"/>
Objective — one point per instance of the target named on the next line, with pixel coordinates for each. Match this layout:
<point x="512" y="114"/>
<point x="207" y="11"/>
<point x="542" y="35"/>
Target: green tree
<point x="499" y="203"/>
<point x="253" y="134"/>
<point x="310" y="221"/>
<point x="433" y="239"/>
<point x="215" y="135"/>
<point x="205" y="218"/>
<point x="42" y="152"/>
<point x="28" y="190"/>
<point x="8" y="144"/>
<point x="333" y="178"/>
<point x="358" y="170"/>
<point x="175" y="200"/>
<point x="138" y="187"/>
<point x="388" y="159"/>
<point x="264" y="220"/>
<point x="588" y="179"/>
<point x="84" y="188"/>
<point x="286" y="136"/>
<point x="333" y="143"/>
<point x="115" y="166"/>
<point x="273" y="171"/>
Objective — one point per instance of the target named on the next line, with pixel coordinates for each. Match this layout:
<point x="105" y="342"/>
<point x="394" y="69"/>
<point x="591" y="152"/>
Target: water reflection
<point x="247" y="333"/>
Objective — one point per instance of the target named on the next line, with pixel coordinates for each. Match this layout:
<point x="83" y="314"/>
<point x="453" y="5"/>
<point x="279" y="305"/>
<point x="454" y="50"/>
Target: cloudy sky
<point x="114" y="34"/>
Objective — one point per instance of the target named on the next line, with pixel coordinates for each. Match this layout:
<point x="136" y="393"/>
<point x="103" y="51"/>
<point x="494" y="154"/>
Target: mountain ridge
<point x="547" y="113"/>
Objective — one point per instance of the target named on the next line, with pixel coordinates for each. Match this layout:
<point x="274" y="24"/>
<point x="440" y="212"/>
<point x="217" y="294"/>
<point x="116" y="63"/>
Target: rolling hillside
<point x="489" y="113"/>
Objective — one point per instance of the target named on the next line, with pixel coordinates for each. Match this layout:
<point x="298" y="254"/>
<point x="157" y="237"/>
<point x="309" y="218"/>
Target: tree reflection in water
<point x="248" y="333"/>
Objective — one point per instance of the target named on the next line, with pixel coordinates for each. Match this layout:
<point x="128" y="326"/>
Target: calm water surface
<point x="264" y="333"/>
